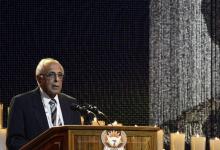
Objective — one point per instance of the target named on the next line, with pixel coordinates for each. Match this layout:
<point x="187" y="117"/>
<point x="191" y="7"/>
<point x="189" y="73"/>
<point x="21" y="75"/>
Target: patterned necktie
<point x="53" y="108"/>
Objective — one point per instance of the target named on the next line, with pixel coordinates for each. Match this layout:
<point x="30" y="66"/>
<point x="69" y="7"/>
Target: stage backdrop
<point x="184" y="66"/>
<point x="103" y="46"/>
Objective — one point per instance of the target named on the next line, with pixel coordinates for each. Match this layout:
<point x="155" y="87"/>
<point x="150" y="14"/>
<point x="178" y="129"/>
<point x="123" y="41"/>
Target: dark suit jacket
<point x="27" y="117"/>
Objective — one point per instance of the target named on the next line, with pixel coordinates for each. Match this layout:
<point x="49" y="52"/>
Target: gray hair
<point x="40" y="67"/>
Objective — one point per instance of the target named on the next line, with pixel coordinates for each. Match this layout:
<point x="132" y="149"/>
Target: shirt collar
<point x="44" y="96"/>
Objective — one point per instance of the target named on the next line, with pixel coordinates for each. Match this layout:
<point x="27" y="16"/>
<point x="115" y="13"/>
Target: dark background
<point x="103" y="46"/>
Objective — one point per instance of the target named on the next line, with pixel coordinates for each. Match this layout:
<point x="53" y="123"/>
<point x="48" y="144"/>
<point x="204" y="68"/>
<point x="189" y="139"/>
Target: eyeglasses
<point x="53" y="75"/>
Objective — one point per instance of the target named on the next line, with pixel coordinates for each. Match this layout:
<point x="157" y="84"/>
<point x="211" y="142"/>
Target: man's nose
<point x="56" y="77"/>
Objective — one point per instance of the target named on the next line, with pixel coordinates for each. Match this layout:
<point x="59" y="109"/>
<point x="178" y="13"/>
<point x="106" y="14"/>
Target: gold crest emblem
<point x="114" y="140"/>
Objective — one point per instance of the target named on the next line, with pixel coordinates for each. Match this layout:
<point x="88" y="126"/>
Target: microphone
<point x="96" y="111"/>
<point x="83" y="110"/>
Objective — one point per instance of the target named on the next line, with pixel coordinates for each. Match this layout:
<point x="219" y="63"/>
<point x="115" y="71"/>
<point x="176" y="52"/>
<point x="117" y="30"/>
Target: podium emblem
<point x="114" y="140"/>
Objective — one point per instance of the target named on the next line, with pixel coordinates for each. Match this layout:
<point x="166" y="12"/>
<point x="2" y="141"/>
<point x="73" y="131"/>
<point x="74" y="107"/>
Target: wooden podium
<point x="89" y="138"/>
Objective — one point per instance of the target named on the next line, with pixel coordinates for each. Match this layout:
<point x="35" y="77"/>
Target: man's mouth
<point x="55" y="86"/>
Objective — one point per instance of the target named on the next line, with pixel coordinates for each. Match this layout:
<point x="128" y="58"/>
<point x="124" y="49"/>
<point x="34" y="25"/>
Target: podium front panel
<point x="90" y="140"/>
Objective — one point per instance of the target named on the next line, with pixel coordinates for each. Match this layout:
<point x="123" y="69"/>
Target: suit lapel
<point x="64" y="109"/>
<point x="39" y="111"/>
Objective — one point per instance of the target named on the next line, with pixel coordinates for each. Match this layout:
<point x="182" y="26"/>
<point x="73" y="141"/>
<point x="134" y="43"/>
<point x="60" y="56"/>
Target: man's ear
<point x="39" y="78"/>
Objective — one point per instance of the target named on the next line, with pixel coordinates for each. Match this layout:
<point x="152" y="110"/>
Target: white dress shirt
<point x="59" y="117"/>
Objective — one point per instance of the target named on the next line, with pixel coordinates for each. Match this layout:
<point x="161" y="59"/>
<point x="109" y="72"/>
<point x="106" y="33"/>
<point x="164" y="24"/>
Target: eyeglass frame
<point x="53" y="75"/>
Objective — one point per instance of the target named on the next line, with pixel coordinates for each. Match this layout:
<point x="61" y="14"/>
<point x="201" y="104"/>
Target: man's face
<point x="52" y="79"/>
